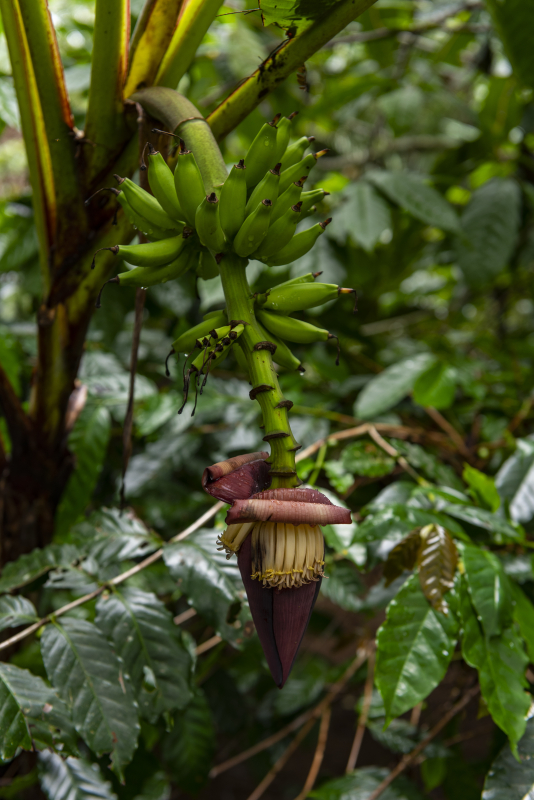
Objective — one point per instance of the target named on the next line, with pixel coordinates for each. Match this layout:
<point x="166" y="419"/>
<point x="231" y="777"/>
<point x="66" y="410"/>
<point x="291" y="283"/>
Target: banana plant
<point x="131" y="76"/>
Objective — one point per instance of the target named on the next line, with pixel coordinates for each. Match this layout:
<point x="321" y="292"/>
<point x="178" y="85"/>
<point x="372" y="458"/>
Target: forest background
<point x="427" y="111"/>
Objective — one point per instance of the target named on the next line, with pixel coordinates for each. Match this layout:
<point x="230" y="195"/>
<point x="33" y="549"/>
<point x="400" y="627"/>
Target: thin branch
<point x="390" y="450"/>
<point x="410" y="757"/>
<point x="318" y="755"/>
<point x="364" y="714"/>
<point x="313" y="713"/>
<point x="286" y="60"/>
<point x="205" y="646"/>
<point x="446" y="426"/>
<point x="113" y="582"/>
<point x="184" y="616"/>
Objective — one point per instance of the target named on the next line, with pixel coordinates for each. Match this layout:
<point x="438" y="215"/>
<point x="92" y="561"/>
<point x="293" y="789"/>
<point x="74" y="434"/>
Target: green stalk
<point x="278" y="434"/>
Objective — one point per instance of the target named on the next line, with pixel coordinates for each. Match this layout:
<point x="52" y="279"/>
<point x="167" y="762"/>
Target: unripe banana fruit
<point x="290" y="197"/>
<point x="142" y="224"/>
<point x="300" y="297"/>
<point x="261" y="153"/>
<point x="298" y="170"/>
<point x="153" y="254"/>
<point x="267" y="187"/>
<point x="208" y="225"/>
<point x="280" y="233"/>
<point x="283" y="135"/>
<point x="187" y="341"/>
<point x="296" y="151"/>
<point x="233" y="200"/>
<point x="282" y="355"/>
<point x="188" y="183"/>
<point x="292" y="330"/>
<point x="143" y="203"/>
<point x="253" y="230"/>
<point x="299" y="245"/>
<point x="161" y="181"/>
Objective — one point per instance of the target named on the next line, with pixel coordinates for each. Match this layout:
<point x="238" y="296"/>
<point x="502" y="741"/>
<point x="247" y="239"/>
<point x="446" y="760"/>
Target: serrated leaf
<point x="31" y="566"/>
<point x="515" y="481"/>
<point x="72" y="779"/>
<point x="31" y="713"/>
<point x="414" y="647"/>
<point x="16" y="610"/>
<point x="389" y="387"/>
<point x="360" y="784"/>
<point x="363" y="216"/>
<point x="89" y="677"/>
<point x="88" y="441"/>
<point x="417" y="198"/>
<point x="501" y="663"/>
<point x="402" y="557"/>
<point x="490" y="226"/>
<point x="189" y="748"/>
<point x="489" y="588"/>
<point x="514" y="21"/>
<point x="435" y="387"/>
<point x="111" y="535"/>
<point x="508" y="778"/>
<point x="437" y="559"/>
<point x="293" y="13"/>
<point x="483" y="487"/>
<point x="524" y="616"/>
<point x="145" y="638"/>
<point x="205" y="577"/>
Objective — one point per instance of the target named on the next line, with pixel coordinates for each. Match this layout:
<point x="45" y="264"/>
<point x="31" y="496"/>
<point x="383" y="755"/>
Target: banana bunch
<point x="253" y="214"/>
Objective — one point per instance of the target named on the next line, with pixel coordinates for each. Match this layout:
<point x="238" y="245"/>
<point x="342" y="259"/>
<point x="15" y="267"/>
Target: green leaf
<point x="501" y="662"/>
<point x="89" y="677"/>
<point x="189" y="748"/>
<point x="488" y="587"/>
<point x="30" y="713"/>
<point x="429" y="464"/>
<point x="524" y="616"/>
<point x="435" y="387"/>
<point x="72" y="779"/>
<point x="10" y="356"/>
<point x="389" y="387"/>
<point x="414" y="647"/>
<point x="500" y="530"/>
<point x="343" y="587"/>
<point x="150" y="647"/>
<point x="88" y="441"/>
<point x="16" y="610"/>
<point x="515" y="481"/>
<point x="437" y="559"/>
<point x="514" y="21"/>
<point x="417" y="198"/>
<point x="205" y="577"/>
<point x="293" y="13"/>
<point x="360" y="784"/>
<point x="113" y="535"/>
<point x="31" y="566"/>
<point x="490" y="225"/>
<point x="483" y="487"/>
<point x="363" y="216"/>
<point x="365" y="458"/>
<point x="508" y="778"/>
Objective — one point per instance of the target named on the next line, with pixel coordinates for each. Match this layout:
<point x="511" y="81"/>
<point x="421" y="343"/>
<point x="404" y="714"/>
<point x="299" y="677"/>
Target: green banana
<point x="253" y="230"/>
<point x="280" y="233"/>
<point x="207" y="265"/>
<point x="152" y="254"/>
<point x="310" y="212"/>
<point x="217" y="352"/>
<point x="292" y="330"/>
<point x="142" y="224"/>
<point x="282" y="355"/>
<point x="208" y="225"/>
<point x="299" y="297"/>
<point x="283" y="135"/>
<point x="262" y="151"/>
<point x="299" y="245"/>
<point x="143" y="203"/>
<point x="188" y="183"/>
<point x="161" y="182"/>
<point x="186" y="342"/>
<point x="309" y="277"/>
<point x="289" y="198"/>
<point x="295" y="172"/>
<point x="233" y="200"/>
<point x="295" y="152"/>
<point x="213" y="314"/>
<point x="310" y="198"/>
<point x="267" y="187"/>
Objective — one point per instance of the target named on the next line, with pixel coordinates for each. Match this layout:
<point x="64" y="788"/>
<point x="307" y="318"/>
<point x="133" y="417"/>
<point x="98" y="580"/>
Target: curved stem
<point x="265" y="387"/>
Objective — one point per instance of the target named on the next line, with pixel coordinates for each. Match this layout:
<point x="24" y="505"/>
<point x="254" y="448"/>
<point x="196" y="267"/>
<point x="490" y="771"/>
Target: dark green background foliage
<point x="431" y="175"/>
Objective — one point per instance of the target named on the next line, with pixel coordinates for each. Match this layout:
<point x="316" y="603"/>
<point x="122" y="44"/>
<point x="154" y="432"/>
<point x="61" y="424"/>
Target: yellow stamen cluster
<point x="285" y="555"/>
<point x="233" y="537"/>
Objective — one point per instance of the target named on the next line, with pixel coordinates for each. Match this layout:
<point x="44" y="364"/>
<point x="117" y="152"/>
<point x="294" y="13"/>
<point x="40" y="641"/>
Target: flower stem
<point x="265" y="387"/>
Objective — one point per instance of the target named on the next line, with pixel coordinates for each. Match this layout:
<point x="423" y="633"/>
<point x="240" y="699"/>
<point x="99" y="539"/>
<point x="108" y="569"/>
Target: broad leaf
<point x="402" y="557"/>
<point x="414" y="647"/>
<point x="515" y="481"/>
<point x="16" y="610"/>
<point x="89" y="677"/>
<point x="189" y="748"/>
<point x="31" y="714"/>
<point x="435" y="387"/>
<point x="205" y="577"/>
<point x="500" y="530"/>
<point x="390" y="386"/>
<point x="524" y="616"/>
<point x="437" y="559"/>
<point x="365" y="458"/>
<point x="489" y="588"/>
<point x="72" y="779"/>
<point x="501" y="662"/>
<point x="111" y="535"/>
<point x="490" y="226"/>
<point x="483" y="487"/>
<point x="360" y="784"/>
<point x="363" y="216"/>
<point x="31" y="566"/>
<point x="343" y="587"/>
<point x="417" y="198"/>
<point x="508" y="778"/>
<point x="149" y="644"/>
<point x="88" y="441"/>
<point x="514" y="21"/>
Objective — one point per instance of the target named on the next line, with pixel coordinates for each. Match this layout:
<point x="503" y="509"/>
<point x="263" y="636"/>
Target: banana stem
<point x="265" y="387"/>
